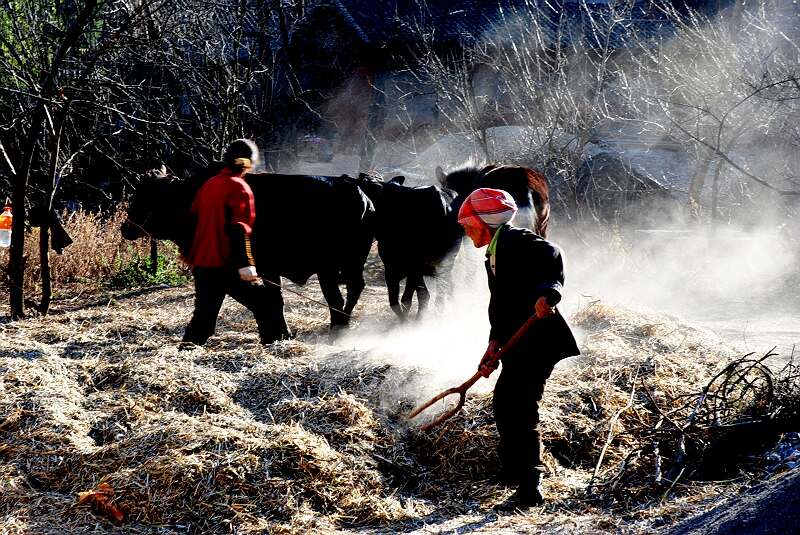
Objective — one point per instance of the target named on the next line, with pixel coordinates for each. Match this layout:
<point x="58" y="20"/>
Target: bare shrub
<point x="97" y="253"/>
<point x="721" y="89"/>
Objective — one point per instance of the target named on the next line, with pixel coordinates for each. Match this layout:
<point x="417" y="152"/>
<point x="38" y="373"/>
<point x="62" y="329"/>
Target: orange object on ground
<point x="100" y="498"/>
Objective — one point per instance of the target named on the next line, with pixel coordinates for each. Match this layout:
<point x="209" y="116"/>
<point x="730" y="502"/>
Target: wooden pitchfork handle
<point x="461" y="390"/>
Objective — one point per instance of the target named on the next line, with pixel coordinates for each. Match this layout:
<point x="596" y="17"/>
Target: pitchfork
<point x="461" y="390"/>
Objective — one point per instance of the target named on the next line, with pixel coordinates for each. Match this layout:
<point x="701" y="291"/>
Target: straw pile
<point x="597" y="407"/>
<point x="101" y="416"/>
<point x="166" y="434"/>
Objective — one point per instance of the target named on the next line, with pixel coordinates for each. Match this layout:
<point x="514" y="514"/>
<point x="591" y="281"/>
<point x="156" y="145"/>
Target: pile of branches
<point x="711" y="434"/>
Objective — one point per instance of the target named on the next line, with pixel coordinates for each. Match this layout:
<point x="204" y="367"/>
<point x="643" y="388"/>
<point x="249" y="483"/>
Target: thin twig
<point x="611" y="424"/>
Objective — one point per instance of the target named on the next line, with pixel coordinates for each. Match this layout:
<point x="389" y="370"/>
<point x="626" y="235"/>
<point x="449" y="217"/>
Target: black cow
<point x="304" y="225"/>
<point x="528" y="188"/>
<point x="417" y="235"/>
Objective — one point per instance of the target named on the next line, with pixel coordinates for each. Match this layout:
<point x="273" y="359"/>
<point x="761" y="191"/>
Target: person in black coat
<point x="526" y="278"/>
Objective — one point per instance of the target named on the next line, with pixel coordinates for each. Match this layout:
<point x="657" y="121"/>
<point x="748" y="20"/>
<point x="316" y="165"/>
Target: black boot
<point x="527" y="495"/>
<point x="267" y="339"/>
<point x="188" y="345"/>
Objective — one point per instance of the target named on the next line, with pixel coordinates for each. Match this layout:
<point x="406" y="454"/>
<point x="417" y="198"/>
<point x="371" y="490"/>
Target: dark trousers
<point x="211" y="285"/>
<point x="515" y="403"/>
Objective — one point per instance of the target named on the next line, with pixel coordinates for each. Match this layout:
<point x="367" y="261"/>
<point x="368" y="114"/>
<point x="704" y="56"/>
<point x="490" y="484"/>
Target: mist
<point x="725" y="258"/>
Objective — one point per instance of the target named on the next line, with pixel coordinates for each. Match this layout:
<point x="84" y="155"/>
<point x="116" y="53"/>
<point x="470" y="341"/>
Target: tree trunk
<point x="715" y="194"/>
<point x="44" y="261"/>
<point x="376" y="119"/>
<point x="697" y="184"/>
<point x="16" y="260"/>
<point x="153" y="256"/>
<point x="282" y="24"/>
<point x="475" y="116"/>
<point x="482" y="138"/>
<point x="16" y="268"/>
<point x="44" y="230"/>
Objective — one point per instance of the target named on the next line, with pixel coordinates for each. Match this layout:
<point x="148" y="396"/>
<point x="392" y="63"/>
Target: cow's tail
<point x="540" y="194"/>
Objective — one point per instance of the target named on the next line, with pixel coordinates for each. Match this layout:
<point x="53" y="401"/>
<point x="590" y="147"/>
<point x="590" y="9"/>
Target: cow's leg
<point x="354" y="276"/>
<point x="393" y="287"/>
<point x="416" y="283"/>
<point x="355" y="285"/>
<point x="329" y="284"/>
<point x="423" y="295"/>
<point x="408" y="293"/>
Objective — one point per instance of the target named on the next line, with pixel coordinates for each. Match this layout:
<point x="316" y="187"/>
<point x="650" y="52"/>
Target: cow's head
<point x="160" y="204"/>
<point x="373" y="185"/>
<point x="462" y="180"/>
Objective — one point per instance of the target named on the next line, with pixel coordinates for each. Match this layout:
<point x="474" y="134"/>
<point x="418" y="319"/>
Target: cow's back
<point x="306" y="223"/>
<point x="528" y="187"/>
<point x="511" y="178"/>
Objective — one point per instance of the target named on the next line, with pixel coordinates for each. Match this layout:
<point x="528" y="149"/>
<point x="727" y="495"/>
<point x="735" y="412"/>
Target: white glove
<point x="248" y="273"/>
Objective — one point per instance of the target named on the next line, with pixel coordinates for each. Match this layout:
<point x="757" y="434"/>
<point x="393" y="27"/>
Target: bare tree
<point x="728" y="89"/>
<point x="555" y="75"/>
<point x="117" y="85"/>
<point x="33" y="76"/>
<point x="722" y="86"/>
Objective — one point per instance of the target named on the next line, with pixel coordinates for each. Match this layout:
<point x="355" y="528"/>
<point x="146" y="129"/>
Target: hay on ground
<point x="303" y="437"/>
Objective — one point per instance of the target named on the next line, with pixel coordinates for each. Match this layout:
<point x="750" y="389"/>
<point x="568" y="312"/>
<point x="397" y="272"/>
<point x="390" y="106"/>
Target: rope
<point x="304" y="296"/>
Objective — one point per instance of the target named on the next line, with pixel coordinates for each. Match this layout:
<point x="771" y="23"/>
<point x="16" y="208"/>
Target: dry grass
<point x="305" y="436"/>
<point x="98" y="251"/>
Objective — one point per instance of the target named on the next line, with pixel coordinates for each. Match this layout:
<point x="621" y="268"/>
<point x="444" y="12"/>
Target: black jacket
<point x="527" y="268"/>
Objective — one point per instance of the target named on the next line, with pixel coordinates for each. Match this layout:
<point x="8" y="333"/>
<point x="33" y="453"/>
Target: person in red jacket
<point x="220" y="253"/>
<point x="526" y="276"/>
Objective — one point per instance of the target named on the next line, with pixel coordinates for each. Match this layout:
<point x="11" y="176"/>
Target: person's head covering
<point x="241" y="155"/>
<point x="483" y="211"/>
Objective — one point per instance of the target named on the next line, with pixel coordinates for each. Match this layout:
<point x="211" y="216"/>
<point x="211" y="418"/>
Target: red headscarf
<point x="484" y="210"/>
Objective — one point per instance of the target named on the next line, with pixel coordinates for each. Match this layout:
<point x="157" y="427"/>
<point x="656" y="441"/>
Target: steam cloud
<point x="731" y="279"/>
